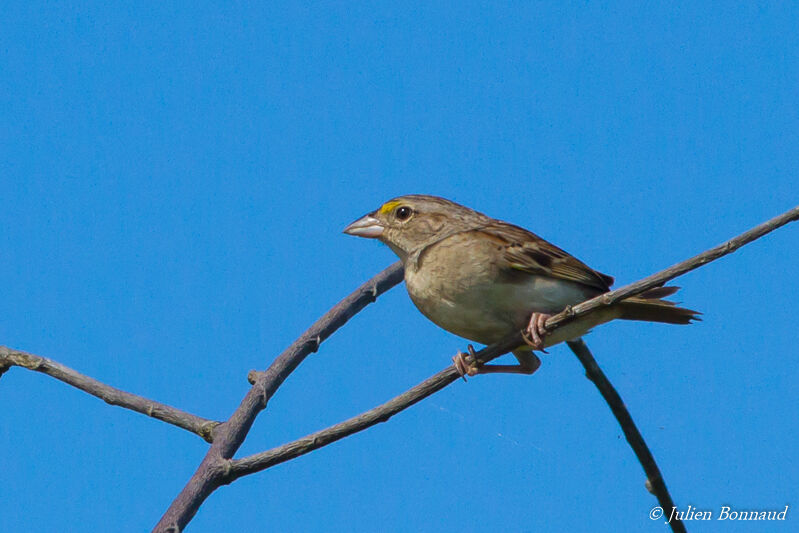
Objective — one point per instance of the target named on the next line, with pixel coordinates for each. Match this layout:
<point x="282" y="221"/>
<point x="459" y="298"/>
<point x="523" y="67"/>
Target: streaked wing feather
<point x="526" y="251"/>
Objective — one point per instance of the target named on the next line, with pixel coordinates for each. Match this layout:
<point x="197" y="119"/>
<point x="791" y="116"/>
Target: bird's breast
<point x="475" y="300"/>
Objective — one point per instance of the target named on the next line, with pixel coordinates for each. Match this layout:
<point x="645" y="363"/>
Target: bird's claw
<point x="536" y="331"/>
<point x="466" y="367"/>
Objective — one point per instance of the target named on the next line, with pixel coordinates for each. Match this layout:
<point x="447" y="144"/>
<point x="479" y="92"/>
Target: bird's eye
<point x="404" y="212"/>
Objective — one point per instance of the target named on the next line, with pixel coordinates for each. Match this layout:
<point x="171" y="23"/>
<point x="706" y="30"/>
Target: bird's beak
<point x="366" y="226"/>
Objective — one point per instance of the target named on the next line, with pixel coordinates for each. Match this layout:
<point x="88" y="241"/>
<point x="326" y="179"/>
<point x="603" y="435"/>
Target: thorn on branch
<point x="263" y="396"/>
<point x="255" y="379"/>
<point x="314" y="343"/>
<point x="373" y="293"/>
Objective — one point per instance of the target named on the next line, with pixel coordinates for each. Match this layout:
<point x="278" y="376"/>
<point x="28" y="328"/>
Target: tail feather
<point x="647" y="306"/>
<point x="658" y="292"/>
<point x="651" y="308"/>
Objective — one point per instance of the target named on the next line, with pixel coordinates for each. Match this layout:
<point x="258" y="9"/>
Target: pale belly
<point x="485" y="309"/>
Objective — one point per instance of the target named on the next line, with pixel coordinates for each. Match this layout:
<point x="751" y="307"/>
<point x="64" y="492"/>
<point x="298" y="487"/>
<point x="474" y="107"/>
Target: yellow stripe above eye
<point x="388" y="207"/>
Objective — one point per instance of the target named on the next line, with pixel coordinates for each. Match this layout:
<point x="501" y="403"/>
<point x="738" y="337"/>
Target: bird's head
<point x="411" y="222"/>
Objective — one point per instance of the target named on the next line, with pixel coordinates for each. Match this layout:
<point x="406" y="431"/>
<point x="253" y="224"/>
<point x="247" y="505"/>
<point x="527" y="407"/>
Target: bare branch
<point x="659" y="278"/>
<point x="263" y="460"/>
<point x="286" y="452"/>
<point x="654" y="483"/>
<point x="212" y="471"/>
<point x="201" y="426"/>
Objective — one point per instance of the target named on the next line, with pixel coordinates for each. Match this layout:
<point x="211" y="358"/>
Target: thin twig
<point x="674" y="271"/>
<point x="213" y="469"/>
<point x="201" y="426"/>
<point x="263" y="460"/>
<point x="655" y="483"/>
<point x="381" y="413"/>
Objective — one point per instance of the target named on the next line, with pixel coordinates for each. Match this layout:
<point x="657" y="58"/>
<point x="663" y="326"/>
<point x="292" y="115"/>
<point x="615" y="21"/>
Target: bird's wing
<point x="526" y="251"/>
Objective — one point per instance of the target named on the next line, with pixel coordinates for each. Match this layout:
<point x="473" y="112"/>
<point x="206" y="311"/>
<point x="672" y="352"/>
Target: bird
<point x="481" y="278"/>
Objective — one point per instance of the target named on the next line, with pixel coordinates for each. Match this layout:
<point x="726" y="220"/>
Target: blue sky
<point x="175" y="179"/>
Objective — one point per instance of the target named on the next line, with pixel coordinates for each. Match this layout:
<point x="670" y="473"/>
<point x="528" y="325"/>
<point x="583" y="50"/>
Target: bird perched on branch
<point x="481" y="278"/>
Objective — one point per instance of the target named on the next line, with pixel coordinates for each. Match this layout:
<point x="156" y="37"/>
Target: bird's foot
<point x="467" y="365"/>
<point x="536" y="331"/>
<point x="464" y="366"/>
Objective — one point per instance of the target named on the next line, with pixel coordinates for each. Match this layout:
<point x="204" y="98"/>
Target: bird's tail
<point x="649" y="307"/>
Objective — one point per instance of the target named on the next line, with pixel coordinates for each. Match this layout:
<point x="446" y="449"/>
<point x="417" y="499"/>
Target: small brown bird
<point x="481" y="278"/>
